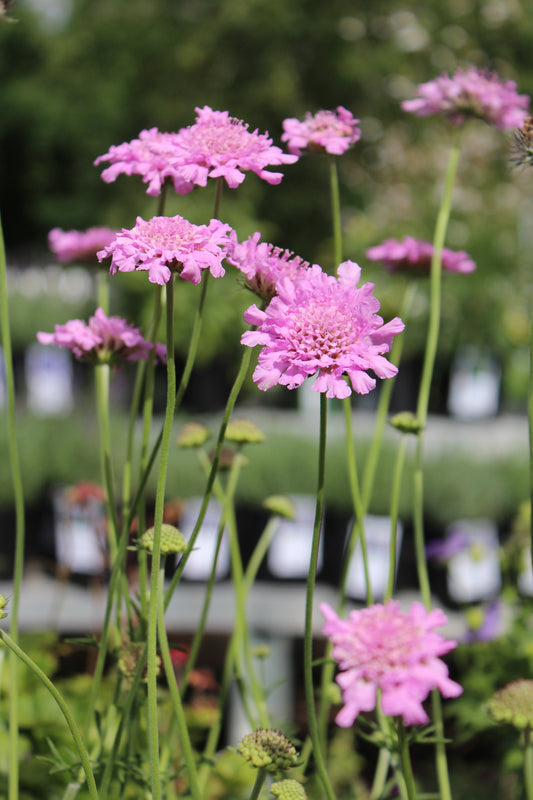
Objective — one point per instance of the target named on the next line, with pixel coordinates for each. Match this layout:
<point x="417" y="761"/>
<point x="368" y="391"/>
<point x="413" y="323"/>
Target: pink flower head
<point x="154" y="156"/>
<point x="322" y="325"/>
<point x="162" y="245"/>
<point x="105" y="340"/>
<point x="471" y="93"/>
<point x="263" y="264"/>
<point x="414" y="255"/>
<point x="326" y="132"/>
<point x="78" y="245"/>
<point x="220" y="146"/>
<point x="381" y="647"/>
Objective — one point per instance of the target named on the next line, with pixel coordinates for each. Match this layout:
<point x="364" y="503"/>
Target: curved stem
<point x="258" y="785"/>
<point x="335" y="211"/>
<point x="232" y="399"/>
<point x="18" y="492"/>
<point x="65" y="710"/>
<point x="176" y="697"/>
<point x="156" y="548"/>
<point x="308" y="639"/>
<point x="394" y="506"/>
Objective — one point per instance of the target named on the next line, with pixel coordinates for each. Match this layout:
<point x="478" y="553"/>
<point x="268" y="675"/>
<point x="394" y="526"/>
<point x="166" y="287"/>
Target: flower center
<point x="322" y="329"/>
<point x="225" y="138"/>
<point x="170" y="233"/>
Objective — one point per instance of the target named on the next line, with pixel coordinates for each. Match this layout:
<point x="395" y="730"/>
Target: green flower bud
<point x="242" y="431"/>
<point x="288" y="790"/>
<point x="268" y="749"/>
<point x="513" y="704"/>
<point x="3" y="603"/>
<point x="406" y="422"/>
<point x="193" y="434"/>
<point x="280" y="505"/>
<point x="172" y="541"/>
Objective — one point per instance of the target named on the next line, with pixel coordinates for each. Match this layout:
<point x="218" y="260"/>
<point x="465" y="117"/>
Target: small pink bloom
<point x="218" y="145"/>
<point x="414" y="255"/>
<point x="382" y="648"/>
<point x="263" y="264"/>
<point x="108" y="340"/>
<point x="470" y="93"/>
<point x="154" y="156"/>
<point x="331" y="132"/>
<point x="324" y="326"/>
<point x="78" y="245"/>
<point x="163" y="245"/>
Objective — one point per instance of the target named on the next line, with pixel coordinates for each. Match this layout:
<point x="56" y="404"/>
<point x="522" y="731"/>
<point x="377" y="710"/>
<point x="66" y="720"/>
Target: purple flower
<point x="484" y="625"/>
<point x="263" y="264"/>
<point x="78" y="245"/>
<point x="105" y="340"/>
<point x="414" y="255"/>
<point x="471" y="93"/>
<point x="331" y="132"/>
<point x="163" y="245"/>
<point x="443" y="550"/>
<point x="154" y="156"/>
<point x="382" y="648"/>
<point x="325" y="326"/>
<point x="220" y="146"/>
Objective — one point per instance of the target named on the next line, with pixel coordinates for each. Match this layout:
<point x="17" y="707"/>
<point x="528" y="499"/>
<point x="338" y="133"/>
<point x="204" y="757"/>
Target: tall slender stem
<point x="18" y="492"/>
<point x="405" y="760"/>
<point x="528" y="763"/>
<point x="156" y="548"/>
<point x="65" y="710"/>
<point x="530" y="426"/>
<point x="422" y="412"/>
<point x="314" y="734"/>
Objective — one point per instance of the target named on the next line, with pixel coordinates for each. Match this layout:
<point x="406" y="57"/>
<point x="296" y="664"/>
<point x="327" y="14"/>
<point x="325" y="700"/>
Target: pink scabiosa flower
<point x="105" y="340"/>
<point x="331" y="132"/>
<point x="414" y="255"/>
<point x="220" y="146"/>
<point x="470" y="93"/>
<point x="154" y="156"/>
<point x="382" y="648"/>
<point x="69" y="246"/>
<point x="163" y="245"/>
<point x="325" y="326"/>
<point x="263" y="264"/>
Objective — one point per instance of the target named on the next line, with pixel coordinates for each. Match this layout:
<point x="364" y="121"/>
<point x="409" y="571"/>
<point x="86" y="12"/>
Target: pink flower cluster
<point x="263" y="264"/>
<point x="324" y="132"/>
<point x="382" y="648"/>
<point x="163" y="245"/>
<point x="71" y="246"/>
<point x="216" y="145"/>
<point x="325" y="326"/>
<point x="105" y="340"/>
<point x="154" y="156"/>
<point x="471" y="93"/>
<point x="409" y="254"/>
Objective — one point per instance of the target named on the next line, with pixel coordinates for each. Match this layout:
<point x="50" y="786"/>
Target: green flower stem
<point x="183" y="732"/>
<point x="102" y="290"/>
<point x="394" y="507"/>
<point x="249" y="577"/>
<point x="308" y="639"/>
<point x="156" y="548"/>
<point x="387" y="386"/>
<point x="65" y="710"/>
<point x="405" y="761"/>
<point x="147" y="424"/>
<point x="530" y="425"/>
<point x="380" y="775"/>
<point x="18" y="492"/>
<point x="101" y="374"/>
<point x="422" y="411"/>
<point x="335" y="211"/>
<point x="123" y="725"/>
<point x="258" y="785"/>
<point x="232" y="399"/>
<point x="528" y="764"/>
